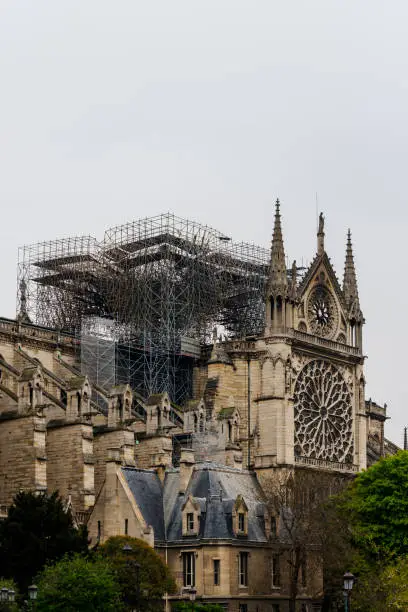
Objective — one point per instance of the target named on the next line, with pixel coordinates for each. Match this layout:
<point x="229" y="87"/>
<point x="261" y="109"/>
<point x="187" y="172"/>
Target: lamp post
<point x="348" y="581"/>
<point x="192" y="594"/>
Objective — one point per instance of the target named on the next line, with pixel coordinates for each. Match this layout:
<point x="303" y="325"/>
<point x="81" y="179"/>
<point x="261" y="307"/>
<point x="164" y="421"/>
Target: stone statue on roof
<point x="321" y="223"/>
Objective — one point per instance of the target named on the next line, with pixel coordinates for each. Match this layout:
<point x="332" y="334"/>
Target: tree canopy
<point x="183" y="606"/>
<point x="377" y="506"/>
<point x="79" y="584"/>
<point x="37" y="530"/>
<point x="141" y="587"/>
<point x="371" y="536"/>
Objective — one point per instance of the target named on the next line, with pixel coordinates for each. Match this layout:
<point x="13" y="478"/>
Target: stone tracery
<point x="323" y="414"/>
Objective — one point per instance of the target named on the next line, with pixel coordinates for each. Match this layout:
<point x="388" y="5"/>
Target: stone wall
<point x="23" y="462"/>
<point x="153" y="451"/>
<point x="71" y="463"/>
<point x="104" y="440"/>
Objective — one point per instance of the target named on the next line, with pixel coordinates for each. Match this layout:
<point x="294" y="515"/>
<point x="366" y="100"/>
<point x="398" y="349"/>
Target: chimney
<point x="186" y="468"/>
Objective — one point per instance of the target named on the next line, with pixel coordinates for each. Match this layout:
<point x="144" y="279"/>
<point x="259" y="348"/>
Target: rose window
<point x="322" y="312"/>
<point x="323" y="414"/>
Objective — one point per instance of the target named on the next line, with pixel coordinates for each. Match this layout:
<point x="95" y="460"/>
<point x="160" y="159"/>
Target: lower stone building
<point x="212" y="526"/>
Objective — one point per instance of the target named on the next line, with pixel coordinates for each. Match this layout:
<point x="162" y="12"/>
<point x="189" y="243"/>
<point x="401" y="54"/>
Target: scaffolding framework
<point x="163" y="281"/>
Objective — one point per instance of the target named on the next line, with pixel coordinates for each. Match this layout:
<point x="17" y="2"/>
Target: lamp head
<point x="348" y="581"/>
<point x="32" y="591"/>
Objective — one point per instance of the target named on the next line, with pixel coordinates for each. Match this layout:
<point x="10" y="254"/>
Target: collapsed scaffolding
<point x="161" y="284"/>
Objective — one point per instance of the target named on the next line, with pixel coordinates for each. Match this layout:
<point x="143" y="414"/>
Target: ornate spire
<point x="350" y="289"/>
<point x="277" y="281"/>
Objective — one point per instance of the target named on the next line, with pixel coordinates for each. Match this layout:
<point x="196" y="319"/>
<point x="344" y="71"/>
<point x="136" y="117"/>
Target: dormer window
<point x="191" y="517"/>
<point x="240" y="517"/>
<point x="190" y="521"/>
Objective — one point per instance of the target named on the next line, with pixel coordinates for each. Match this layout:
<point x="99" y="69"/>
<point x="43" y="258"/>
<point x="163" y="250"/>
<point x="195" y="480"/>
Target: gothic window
<point x="323" y="414"/>
<point x="188" y="569"/>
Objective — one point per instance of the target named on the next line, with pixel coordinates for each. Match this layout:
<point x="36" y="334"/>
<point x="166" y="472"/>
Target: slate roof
<point x="214" y="487"/>
<point x="147" y="490"/>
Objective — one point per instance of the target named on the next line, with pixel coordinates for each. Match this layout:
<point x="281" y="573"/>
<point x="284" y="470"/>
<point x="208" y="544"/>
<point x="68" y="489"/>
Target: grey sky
<point x="111" y="110"/>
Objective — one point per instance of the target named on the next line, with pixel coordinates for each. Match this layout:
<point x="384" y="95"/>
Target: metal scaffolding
<point x="165" y="282"/>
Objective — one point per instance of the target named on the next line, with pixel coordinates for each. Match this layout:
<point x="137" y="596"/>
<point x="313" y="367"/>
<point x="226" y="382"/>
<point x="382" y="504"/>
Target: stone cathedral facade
<point x="299" y="389"/>
<point x="191" y="480"/>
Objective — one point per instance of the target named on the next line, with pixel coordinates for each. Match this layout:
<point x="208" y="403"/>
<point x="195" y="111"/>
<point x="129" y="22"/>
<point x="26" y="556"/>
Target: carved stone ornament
<point x="323" y="414"/>
<point x="322" y="312"/>
<point x="348" y="375"/>
<point x="298" y="362"/>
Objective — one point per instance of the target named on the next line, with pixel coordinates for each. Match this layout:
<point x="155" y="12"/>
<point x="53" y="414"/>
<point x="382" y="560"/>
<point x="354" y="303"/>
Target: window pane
<point x="216" y="572"/>
<point x="275" y="570"/>
<point x="241" y="521"/>
<point x="190" y="521"/>
<point x="243" y="568"/>
<point x="189" y="569"/>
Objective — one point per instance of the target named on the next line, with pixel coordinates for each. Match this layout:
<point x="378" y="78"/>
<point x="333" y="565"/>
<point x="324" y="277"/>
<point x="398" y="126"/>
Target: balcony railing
<point x="331" y="344"/>
<point x="325" y="464"/>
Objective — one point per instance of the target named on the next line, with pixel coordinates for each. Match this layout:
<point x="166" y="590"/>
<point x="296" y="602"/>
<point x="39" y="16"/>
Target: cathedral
<point x="190" y="479"/>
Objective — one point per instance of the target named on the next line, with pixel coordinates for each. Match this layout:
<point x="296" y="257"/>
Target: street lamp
<point x="32" y="592"/>
<point x="348" y="581"/>
<point x="192" y="593"/>
<point x="4" y="594"/>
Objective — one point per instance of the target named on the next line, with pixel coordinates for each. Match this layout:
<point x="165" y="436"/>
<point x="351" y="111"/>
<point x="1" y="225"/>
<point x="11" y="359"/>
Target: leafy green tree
<point x="79" y="584"/>
<point x="382" y="589"/>
<point x="183" y="606"/>
<point x="142" y="588"/>
<point x="368" y="534"/>
<point x="377" y="506"/>
<point x="37" y="530"/>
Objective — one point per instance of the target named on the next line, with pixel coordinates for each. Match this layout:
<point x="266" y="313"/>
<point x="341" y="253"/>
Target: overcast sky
<point x="210" y="109"/>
